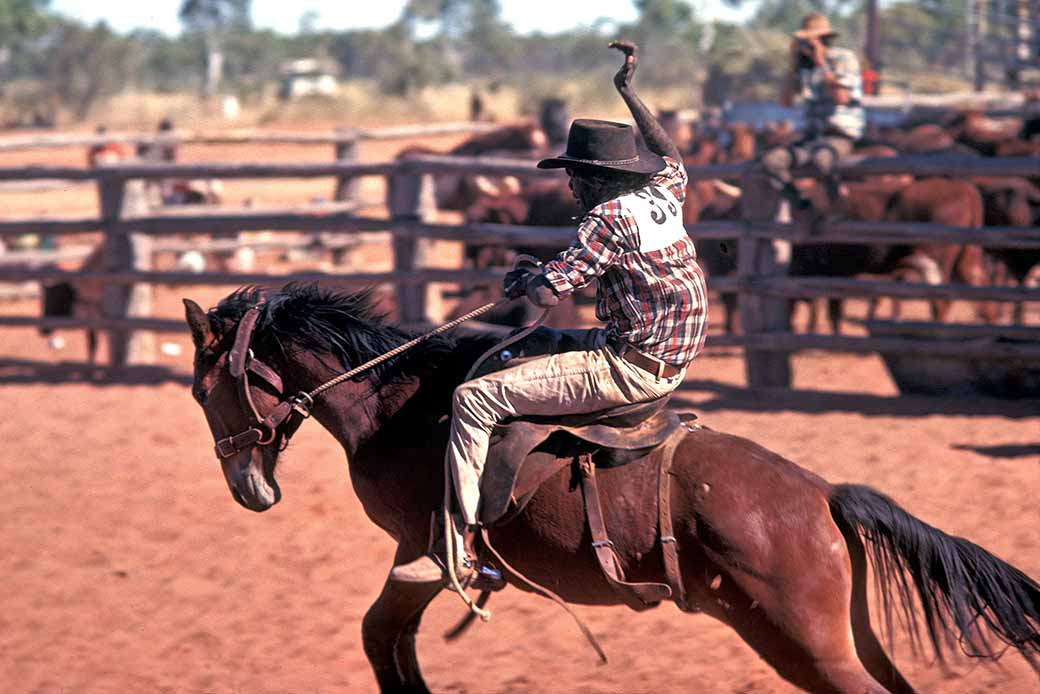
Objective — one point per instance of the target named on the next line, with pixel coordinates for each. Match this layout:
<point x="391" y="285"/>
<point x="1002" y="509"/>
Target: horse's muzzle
<point x="253" y="488"/>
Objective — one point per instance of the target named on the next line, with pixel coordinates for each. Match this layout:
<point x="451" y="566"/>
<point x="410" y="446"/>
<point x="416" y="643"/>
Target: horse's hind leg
<point x="795" y="613"/>
<point x="868" y="647"/>
<point x="825" y="663"/>
<point x="388" y="634"/>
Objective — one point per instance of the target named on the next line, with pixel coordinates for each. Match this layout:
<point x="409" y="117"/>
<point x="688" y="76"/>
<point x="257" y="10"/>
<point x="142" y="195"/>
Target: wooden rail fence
<point x="761" y="279"/>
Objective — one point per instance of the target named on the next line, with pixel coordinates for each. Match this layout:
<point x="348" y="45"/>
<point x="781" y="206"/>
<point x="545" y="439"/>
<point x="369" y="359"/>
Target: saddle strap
<point x="638" y="596"/>
<point x="669" y="545"/>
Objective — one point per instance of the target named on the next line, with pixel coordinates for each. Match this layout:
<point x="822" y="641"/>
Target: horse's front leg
<point x="388" y="632"/>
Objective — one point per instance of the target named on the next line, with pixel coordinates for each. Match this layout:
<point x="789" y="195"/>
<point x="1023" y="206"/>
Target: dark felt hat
<point x="604" y="145"/>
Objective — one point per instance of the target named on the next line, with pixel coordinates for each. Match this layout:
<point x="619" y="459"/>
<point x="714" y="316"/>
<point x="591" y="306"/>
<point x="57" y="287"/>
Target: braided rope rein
<point x="403" y="348"/>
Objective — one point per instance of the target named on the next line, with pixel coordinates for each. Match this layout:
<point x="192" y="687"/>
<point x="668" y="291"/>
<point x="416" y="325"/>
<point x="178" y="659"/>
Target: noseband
<point x="263" y="430"/>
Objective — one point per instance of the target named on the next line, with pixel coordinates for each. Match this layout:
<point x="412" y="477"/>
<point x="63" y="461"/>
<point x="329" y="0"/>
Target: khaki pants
<point x="567" y="383"/>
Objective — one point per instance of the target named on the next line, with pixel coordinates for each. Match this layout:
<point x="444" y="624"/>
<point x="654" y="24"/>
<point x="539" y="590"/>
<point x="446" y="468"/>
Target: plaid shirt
<point x="822" y="115"/>
<point x="651" y="290"/>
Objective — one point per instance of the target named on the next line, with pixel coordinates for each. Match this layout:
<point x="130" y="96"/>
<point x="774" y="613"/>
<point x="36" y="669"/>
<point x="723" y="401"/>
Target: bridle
<point x="290" y="412"/>
<point x="263" y="430"/>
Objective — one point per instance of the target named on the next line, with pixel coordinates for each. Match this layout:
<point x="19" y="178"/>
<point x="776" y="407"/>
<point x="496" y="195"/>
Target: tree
<point x="670" y="16"/>
<point x="84" y="64"/>
<point x="20" y="22"/>
<point x="471" y="33"/>
<point x="671" y="33"/>
<point x="212" y="20"/>
<point x="19" y="18"/>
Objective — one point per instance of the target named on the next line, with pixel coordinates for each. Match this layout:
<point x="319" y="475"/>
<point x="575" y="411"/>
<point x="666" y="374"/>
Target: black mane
<point x="346" y="325"/>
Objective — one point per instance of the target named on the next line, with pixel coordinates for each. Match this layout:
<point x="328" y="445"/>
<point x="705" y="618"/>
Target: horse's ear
<point x="201" y="333"/>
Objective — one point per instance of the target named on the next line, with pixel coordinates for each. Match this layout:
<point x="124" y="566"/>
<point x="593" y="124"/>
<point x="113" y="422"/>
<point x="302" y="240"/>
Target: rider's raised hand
<point x="623" y="78"/>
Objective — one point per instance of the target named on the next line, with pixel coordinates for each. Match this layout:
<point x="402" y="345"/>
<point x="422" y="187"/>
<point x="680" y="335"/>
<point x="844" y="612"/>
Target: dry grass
<point x="360" y="103"/>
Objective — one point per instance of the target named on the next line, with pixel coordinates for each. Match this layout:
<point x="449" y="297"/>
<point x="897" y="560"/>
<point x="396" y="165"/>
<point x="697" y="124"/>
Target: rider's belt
<point x="651" y="365"/>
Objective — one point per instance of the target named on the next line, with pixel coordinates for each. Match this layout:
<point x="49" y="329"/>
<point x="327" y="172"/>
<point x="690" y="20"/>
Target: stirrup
<point x="487" y="577"/>
<point x="431" y="568"/>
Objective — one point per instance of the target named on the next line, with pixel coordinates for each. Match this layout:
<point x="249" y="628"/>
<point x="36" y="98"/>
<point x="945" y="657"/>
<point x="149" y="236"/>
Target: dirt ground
<point x="129" y="568"/>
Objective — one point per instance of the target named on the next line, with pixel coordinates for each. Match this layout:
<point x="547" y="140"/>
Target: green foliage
<point x="66" y="65"/>
<point x="21" y="22"/>
<point x="745" y="64"/>
<point x="218" y="16"/>
<point x="84" y="64"/>
<point x="20" y="18"/>
<point x="921" y="35"/>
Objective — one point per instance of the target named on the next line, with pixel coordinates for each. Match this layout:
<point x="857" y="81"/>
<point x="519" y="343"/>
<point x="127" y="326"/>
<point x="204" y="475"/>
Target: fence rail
<point x="761" y="279"/>
<point x="244" y="136"/>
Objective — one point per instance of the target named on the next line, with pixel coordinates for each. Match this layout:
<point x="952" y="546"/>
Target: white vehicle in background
<point x="308" y="77"/>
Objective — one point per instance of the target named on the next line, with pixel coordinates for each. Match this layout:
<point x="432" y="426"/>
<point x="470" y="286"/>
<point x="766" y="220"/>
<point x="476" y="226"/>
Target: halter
<point x="292" y="411"/>
<point x="262" y="430"/>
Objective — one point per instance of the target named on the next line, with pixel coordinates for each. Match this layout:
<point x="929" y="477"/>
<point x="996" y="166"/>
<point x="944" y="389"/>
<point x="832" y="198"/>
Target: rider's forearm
<point x="657" y="140"/>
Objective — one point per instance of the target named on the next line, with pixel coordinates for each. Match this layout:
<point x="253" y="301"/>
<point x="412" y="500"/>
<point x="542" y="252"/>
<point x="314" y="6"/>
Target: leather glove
<point x="540" y="292"/>
<point x="514" y="285"/>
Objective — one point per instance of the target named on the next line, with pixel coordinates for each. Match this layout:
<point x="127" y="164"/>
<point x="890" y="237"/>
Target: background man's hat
<point x="815" y="25"/>
<point x="604" y="145"/>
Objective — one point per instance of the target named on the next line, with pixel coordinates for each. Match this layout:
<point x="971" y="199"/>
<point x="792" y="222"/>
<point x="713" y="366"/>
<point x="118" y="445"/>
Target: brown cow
<point x="1012" y="202"/>
<point x="457" y="192"/>
<point x="982" y="133"/>
<point x="539" y="203"/>
<point x="524" y="139"/>
<point x="863" y="201"/>
<point x="951" y="203"/>
<point x="75" y="299"/>
<point x="742" y="143"/>
<point x="923" y="139"/>
<point x="935" y="200"/>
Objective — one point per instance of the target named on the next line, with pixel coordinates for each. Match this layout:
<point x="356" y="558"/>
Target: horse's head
<point x="262" y="357"/>
<point x="248" y="468"/>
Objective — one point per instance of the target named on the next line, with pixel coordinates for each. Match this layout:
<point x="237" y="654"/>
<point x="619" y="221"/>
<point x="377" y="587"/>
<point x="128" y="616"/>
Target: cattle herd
<point x="958" y="202"/>
<point x="971" y="202"/>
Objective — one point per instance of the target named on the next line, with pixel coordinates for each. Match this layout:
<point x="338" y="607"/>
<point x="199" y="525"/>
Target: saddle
<point x="527" y="451"/>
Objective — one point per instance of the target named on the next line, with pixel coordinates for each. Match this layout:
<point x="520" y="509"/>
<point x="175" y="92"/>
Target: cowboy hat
<point x="604" y="144"/>
<point x="815" y="25"/>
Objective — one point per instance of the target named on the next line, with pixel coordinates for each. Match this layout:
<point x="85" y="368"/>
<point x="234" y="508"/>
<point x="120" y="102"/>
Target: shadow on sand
<point x="17" y="371"/>
<point x="1007" y="450"/>
<point x="709" y="396"/>
<point x="701" y="395"/>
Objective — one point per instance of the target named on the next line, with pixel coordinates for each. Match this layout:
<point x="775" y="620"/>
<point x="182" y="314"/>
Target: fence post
<point x="759" y="258"/>
<point x="124" y="252"/>
<point x="347" y="152"/>
<point x="409" y="196"/>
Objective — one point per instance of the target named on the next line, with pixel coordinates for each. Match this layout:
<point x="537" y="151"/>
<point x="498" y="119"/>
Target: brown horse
<point x="771" y="549"/>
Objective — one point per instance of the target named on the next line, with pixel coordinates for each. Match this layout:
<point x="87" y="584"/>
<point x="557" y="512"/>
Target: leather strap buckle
<point x="652" y="365"/>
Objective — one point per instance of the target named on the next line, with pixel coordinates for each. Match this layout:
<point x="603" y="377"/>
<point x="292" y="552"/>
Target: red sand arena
<point x="129" y="568"/>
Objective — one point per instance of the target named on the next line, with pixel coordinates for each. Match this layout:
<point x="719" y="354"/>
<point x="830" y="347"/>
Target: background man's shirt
<point x="822" y="115"/>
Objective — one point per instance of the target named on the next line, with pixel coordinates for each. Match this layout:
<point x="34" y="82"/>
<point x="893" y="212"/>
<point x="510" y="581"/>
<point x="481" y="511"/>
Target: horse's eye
<point x="200" y="395"/>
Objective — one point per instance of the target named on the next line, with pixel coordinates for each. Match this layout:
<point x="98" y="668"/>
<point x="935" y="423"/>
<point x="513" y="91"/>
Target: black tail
<point x="968" y="596"/>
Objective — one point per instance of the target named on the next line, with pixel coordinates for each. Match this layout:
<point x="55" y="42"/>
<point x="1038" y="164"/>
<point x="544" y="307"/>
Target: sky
<point x="526" y="16"/>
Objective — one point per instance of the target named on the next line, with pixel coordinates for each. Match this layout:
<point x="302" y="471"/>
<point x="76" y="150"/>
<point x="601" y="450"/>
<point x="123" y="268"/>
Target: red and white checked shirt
<point x="651" y="290"/>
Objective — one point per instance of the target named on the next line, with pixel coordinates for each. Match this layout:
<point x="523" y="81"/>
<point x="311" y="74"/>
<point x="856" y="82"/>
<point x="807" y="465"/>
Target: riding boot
<point x="832" y="185"/>
<point x="799" y="203"/>
<point x="801" y="209"/>
<point x="432" y="567"/>
<point x="836" y="206"/>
